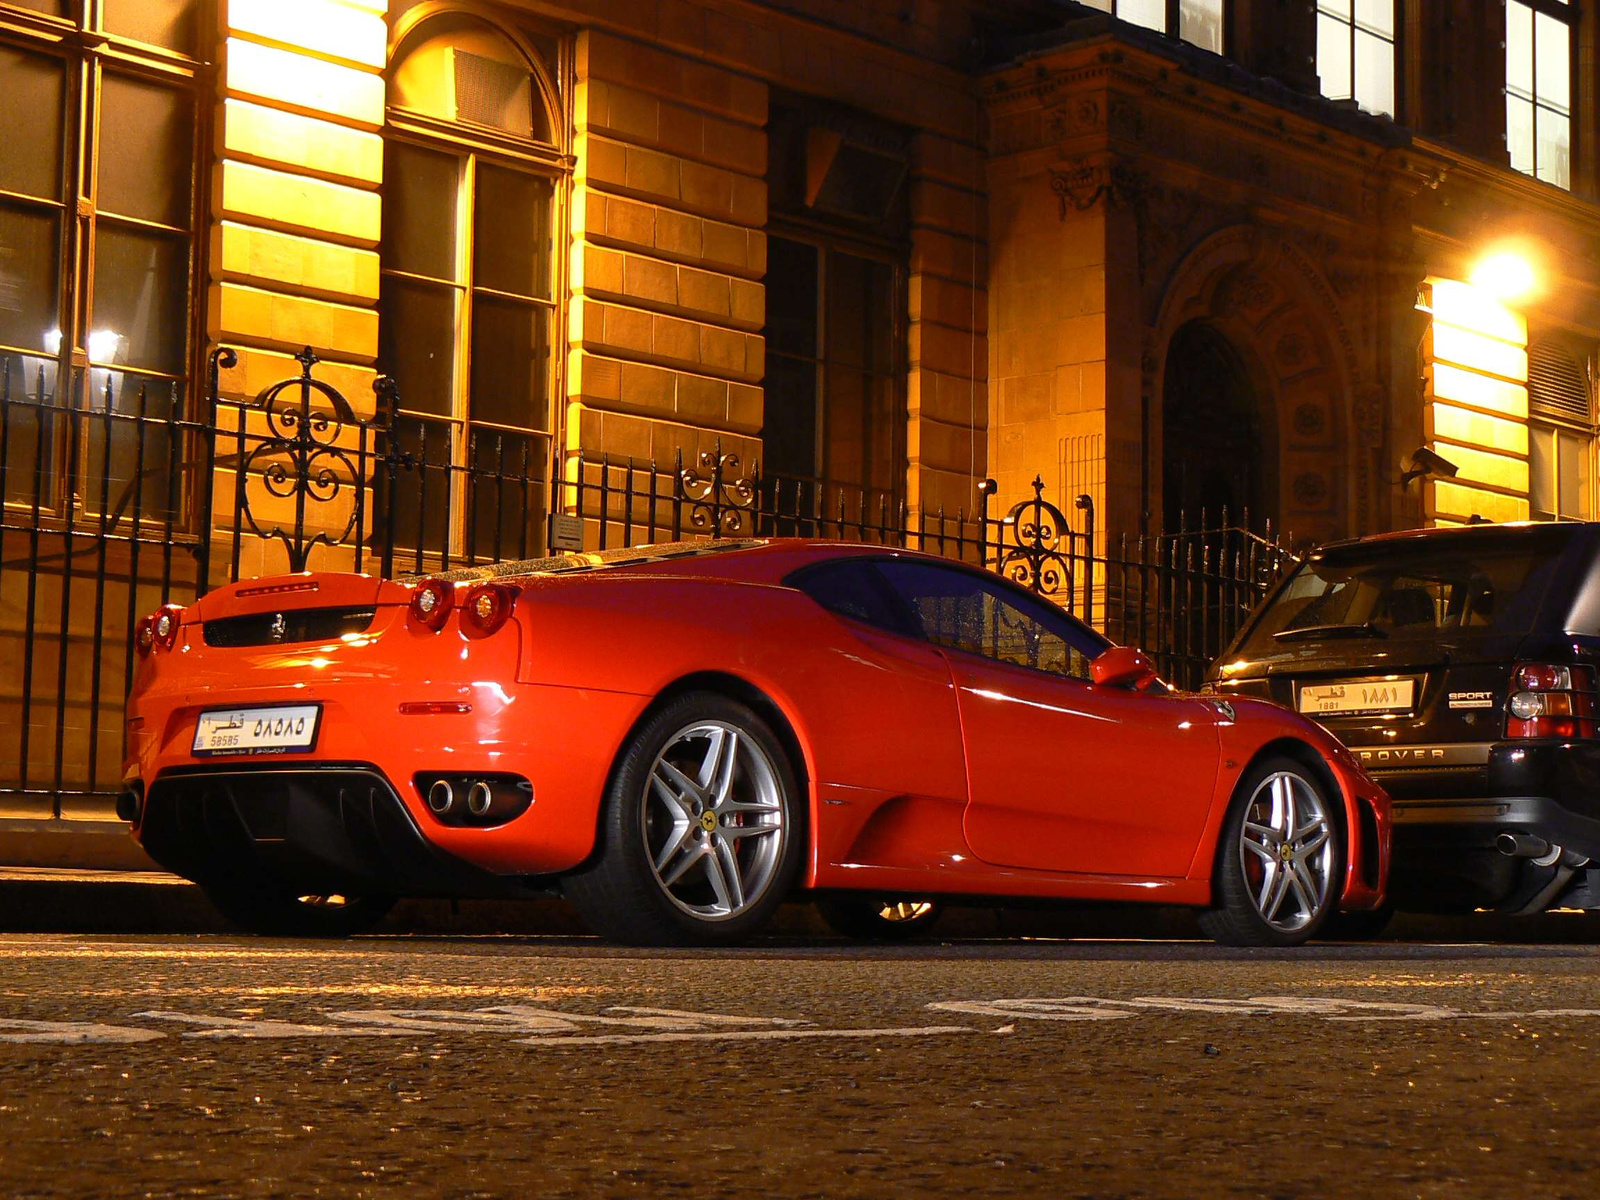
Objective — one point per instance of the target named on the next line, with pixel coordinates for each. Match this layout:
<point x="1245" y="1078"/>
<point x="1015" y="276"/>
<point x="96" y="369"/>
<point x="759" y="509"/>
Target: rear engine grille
<point x="290" y="625"/>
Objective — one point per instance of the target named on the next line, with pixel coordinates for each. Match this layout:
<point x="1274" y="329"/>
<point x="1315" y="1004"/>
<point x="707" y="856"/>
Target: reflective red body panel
<point x="927" y="770"/>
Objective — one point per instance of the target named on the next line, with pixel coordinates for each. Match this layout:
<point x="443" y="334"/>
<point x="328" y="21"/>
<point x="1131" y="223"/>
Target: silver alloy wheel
<point x="1286" y="851"/>
<point x="713" y="820"/>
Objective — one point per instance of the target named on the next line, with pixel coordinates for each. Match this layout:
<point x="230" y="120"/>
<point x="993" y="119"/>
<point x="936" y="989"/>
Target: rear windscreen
<point x="1450" y="589"/>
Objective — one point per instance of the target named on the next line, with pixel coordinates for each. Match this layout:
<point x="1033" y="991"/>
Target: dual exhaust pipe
<point x="442" y="798"/>
<point x="475" y="798"/>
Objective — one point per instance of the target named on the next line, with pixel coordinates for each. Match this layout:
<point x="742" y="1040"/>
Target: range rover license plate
<point x="281" y="729"/>
<point x="1358" y="696"/>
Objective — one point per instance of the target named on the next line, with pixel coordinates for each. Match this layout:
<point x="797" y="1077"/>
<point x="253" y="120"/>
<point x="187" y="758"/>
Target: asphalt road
<point x="468" y="1066"/>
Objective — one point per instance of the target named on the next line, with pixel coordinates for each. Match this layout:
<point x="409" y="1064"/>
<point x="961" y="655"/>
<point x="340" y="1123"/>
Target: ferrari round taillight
<point x="431" y="601"/>
<point x="486" y="608"/>
<point x="143" y="636"/>
<point x="164" y="625"/>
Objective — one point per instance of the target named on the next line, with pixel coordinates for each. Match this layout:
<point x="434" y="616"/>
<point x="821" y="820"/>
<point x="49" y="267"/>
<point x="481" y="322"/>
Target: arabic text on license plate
<point x="1358" y="696"/>
<point x="281" y="730"/>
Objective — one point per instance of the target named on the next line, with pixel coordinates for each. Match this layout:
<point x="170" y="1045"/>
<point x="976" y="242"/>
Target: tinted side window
<point x="851" y="589"/>
<point x="963" y="611"/>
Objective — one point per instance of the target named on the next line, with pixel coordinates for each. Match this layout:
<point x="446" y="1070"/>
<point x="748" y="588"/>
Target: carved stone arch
<point x="1277" y="312"/>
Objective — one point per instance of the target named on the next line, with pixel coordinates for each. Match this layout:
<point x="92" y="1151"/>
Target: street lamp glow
<point x="103" y="344"/>
<point x="1506" y="274"/>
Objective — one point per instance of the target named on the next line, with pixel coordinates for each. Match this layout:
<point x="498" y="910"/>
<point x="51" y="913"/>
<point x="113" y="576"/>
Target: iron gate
<point x="115" y="502"/>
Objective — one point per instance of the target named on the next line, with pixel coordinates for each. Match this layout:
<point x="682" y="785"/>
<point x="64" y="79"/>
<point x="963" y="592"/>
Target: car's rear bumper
<point x="561" y="740"/>
<point x="314" y="829"/>
<point x="1448" y="856"/>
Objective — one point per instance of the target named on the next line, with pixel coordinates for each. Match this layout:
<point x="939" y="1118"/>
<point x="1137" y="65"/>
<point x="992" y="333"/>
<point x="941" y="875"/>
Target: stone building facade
<point x="1179" y="257"/>
<point x="1014" y="238"/>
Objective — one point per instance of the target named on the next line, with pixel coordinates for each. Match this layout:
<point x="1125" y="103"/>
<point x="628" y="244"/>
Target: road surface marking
<point x="71" y="1033"/>
<point x="1331" y="1008"/>
<point x="744" y="1035"/>
<point x="534" y="1025"/>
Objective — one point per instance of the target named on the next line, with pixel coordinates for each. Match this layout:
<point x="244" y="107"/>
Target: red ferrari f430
<point x="680" y="737"/>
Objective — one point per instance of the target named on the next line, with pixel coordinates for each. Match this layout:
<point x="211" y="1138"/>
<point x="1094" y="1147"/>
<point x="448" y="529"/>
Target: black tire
<point x="624" y="896"/>
<point x="272" y="912"/>
<point x="1239" y="884"/>
<point x="876" y="918"/>
<point x="1360" y="926"/>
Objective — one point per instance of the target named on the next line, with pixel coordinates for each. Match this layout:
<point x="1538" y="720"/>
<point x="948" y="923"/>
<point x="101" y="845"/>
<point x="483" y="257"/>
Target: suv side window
<point x="851" y="589"/>
<point x="962" y="610"/>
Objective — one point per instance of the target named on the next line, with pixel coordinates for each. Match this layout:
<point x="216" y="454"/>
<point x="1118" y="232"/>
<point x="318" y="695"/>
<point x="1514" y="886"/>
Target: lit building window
<point x="467" y="306"/>
<point x="97" y="246"/>
<point x="1356" y="52"/>
<point x="1198" y="22"/>
<point x="1539" y="88"/>
<point x="836" y="287"/>
<point x="833" y="407"/>
<point x="1561" y="434"/>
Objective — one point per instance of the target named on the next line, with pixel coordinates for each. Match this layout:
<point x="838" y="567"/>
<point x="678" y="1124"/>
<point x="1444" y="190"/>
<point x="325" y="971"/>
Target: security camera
<point x="1426" y="462"/>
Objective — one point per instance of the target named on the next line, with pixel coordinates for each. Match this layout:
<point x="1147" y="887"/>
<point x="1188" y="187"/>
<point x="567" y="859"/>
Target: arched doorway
<point x="1219" y="449"/>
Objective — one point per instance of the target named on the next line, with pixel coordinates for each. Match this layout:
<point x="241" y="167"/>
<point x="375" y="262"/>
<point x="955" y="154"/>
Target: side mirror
<point x="1123" y="667"/>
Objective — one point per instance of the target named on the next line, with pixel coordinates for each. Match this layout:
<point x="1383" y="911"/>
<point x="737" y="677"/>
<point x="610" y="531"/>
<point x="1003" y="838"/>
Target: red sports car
<point x="679" y="737"/>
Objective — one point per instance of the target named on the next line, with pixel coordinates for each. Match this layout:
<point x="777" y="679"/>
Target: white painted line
<point x="245" y="1027"/>
<point x="743" y="1035"/>
<point x="1328" y="1008"/>
<point x="71" y="1033"/>
<point x="503" y="1019"/>
<point x="1065" y="1008"/>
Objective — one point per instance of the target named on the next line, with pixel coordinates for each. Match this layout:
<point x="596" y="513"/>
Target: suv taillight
<point x="1549" y="700"/>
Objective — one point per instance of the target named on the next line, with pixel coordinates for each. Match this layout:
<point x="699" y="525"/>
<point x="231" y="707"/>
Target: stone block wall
<point x="948" y="310"/>
<point x="668" y="252"/>
<point x="296" y="211"/>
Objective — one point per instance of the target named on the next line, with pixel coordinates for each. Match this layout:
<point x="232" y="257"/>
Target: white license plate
<point x="282" y="729"/>
<point x="1358" y="696"/>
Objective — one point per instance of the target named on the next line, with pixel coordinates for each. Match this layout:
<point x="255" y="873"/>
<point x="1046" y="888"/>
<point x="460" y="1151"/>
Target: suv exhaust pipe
<point x="1525" y="845"/>
<point x="1563" y="864"/>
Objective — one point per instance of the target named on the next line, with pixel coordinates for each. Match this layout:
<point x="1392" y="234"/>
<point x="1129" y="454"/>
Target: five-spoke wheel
<point x="1279" y="860"/>
<point x="702" y="830"/>
<point x="713" y="820"/>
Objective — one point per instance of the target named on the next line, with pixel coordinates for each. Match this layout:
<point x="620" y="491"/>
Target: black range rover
<point x="1460" y="666"/>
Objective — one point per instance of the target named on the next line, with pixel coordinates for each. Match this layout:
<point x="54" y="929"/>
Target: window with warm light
<point x="1198" y="22"/>
<point x="1539" y="51"/>
<point x="97" y="248"/>
<point x="473" y="176"/>
<point x="835" y="288"/>
<point x="1561" y="432"/>
<point x="833" y="410"/>
<point x="1356" y="52"/>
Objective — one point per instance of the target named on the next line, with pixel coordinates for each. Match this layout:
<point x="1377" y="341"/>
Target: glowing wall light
<point x="1506" y="274"/>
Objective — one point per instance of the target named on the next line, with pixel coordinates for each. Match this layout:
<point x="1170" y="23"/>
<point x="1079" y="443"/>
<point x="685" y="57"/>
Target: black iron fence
<point x="116" y="501"/>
